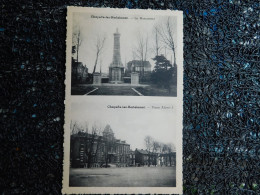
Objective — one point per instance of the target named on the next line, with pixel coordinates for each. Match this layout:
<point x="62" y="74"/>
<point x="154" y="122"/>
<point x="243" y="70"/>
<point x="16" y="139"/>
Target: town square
<point x="124" y="177"/>
<point x="119" y="145"/>
<point x="103" y="160"/>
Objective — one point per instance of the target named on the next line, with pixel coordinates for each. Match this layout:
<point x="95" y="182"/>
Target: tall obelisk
<point x="116" y="68"/>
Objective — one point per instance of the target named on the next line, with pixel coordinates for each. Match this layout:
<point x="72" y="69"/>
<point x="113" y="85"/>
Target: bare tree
<point x="99" y="47"/>
<point x="170" y="148"/>
<point x="85" y="127"/>
<point x="160" y="147"/>
<point x="134" y="55"/>
<point x="148" y="140"/>
<point x="160" y="150"/>
<point x="141" y="50"/>
<point x="75" y="127"/>
<point x="97" y="143"/>
<point x="157" y="46"/>
<point x="93" y="144"/>
<point x="76" y="42"/>
<point x="166" y="33"/>
<point x="155" y="146"/>
<point x="79" y="41"/>
<point x="165" y="153"/>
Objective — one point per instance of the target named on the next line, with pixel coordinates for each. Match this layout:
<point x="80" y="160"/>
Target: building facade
<point x="92" y="150"/>
<point x="141" y="157"/>
<point x="132" y="158"/>
<point x="79" y="72"/>
<point x="167" y="159"/>
<point x="145" y="158"/>
<point x="143" y="68"/>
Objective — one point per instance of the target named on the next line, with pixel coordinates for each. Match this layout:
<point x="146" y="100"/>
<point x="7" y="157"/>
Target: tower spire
<point x="116" y="55"/>
<point x="116" y="68"/>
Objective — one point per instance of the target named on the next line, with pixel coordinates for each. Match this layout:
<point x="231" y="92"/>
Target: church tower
<point x="116" y="68"/>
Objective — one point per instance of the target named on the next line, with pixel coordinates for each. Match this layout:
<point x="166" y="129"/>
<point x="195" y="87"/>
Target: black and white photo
<point x="123" y="104"/>
<point x="122" y="150"/>
<point x="132" y="55"/>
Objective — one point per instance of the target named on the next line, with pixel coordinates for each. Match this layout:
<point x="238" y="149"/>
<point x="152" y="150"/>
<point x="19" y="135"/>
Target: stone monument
<point x="96" y="78"/>
<point x="116" y="68"/>
<point x="134" y="78"/>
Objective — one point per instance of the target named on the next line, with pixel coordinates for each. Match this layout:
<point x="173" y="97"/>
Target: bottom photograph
<point x="121" y="148"/>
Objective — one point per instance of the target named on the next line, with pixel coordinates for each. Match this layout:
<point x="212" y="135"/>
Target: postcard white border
<point x="179" y="101"/>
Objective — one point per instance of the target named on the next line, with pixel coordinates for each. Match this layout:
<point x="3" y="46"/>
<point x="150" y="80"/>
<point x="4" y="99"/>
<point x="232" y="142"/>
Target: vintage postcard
<point x="124" y="98"/>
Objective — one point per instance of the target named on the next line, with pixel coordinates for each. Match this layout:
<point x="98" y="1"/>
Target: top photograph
<point x="123" y="54"/>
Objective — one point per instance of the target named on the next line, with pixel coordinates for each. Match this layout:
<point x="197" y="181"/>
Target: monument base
<point x="96" y="78"/>
<point x="134" y="78"/>
<point x="116" y="82"/>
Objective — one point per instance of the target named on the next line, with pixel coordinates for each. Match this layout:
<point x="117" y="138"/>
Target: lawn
<point x="123" y="177"/>
<point x="81" y="90"/>
<point x="154" y="90"/>
<point x="117" y="90"/>
<point x="122" y="90"/>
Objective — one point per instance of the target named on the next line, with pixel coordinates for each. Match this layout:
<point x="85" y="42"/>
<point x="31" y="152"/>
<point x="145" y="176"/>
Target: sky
<point x="131" y="125"/>
<point x="129" y="29"/>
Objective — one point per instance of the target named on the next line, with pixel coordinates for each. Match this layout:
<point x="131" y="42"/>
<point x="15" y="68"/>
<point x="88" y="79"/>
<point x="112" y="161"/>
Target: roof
<point x="142" y="151"/>
<point x="167" y="154"/>
<point x="107" y="129"/>
<point x="138" y="63"/>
